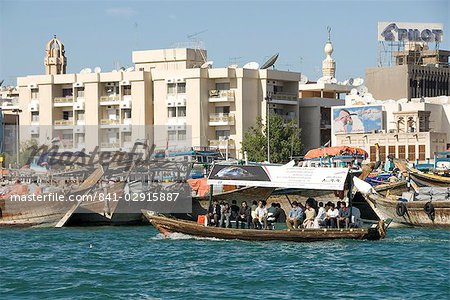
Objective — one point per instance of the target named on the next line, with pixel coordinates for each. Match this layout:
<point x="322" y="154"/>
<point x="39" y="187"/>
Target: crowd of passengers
<point x="261" y="216"/>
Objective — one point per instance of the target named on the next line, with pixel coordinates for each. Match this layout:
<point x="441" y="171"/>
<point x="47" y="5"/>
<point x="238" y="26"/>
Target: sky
<point x="104" y="33"/>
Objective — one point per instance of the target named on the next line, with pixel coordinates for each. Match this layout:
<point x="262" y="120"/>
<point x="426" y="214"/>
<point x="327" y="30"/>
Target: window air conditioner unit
<point x="125" y="82"/>
<point x="125" y="104"/>
<point x="34" y="130"/>
<point x="110" y="84"/>
<point x="79" y="129"/>
<point x="181" y="80"/>
<point x="78" y="84"/>
<point x="33" y="106"/>
<point x="79" y="105"/>
<point x="32" y="86"/>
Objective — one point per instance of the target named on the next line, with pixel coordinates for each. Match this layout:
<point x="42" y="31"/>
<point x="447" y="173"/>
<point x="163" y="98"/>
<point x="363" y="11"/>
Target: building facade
<point x="170" y="97"/>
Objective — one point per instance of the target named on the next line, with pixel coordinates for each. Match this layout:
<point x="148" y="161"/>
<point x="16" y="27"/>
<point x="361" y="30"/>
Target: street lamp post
<point x="17" y="111"/>
<point x="268" y="100"/>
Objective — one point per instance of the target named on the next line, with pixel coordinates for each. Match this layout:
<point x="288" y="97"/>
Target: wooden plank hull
<point x="423" y="179"/>
<point x="168" y="226"/>
<point x="385" y="207"/>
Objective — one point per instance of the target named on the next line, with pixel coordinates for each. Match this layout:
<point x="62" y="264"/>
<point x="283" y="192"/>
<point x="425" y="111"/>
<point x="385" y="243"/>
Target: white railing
<point x="221" y="94"/>
<point x="110" y="98"/>
<point x="109" y="145"/>
<point x="109" y="122"/>
<point x="67" y="99"/>
<point x="63" y="122"/>
<point x="221" y="117"/>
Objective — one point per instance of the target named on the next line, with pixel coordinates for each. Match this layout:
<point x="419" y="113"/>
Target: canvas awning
<point x="334" y="151"/>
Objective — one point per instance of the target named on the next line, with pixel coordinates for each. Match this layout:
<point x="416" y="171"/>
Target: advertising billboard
<point x="357" y="119"/>
<point x="410" y="32"/>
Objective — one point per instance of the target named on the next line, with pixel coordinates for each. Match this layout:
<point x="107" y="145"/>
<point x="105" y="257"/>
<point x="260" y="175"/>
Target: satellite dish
<point x="333" y="80"/>
<point x="130" y="69"/>
<point x="270" y="62"/>
<point x="362" y="90"/>
<point x="251" y="65"/>
<point x="321" y="79"/>
<point x="358" y="81"/>
<point x="350" y="81"/>
<point x="207" y="65"/>
<point x="122" y="69"/>
<point x="303" y="79"/>
<point x="97" y="69"/>
<point x="114" y="71"/>
<point x="234" y="66"/>
<point x="1" y="82"/>
<point x="354" y="92"/>
<point x="86" y="71"/>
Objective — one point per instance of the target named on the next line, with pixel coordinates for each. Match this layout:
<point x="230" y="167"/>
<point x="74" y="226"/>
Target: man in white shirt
<point x="261" y="216"/>
<point x="321" y="215"/>
<point x="332" y="215"/>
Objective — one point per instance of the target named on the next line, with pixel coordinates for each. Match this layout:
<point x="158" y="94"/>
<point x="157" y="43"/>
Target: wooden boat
<point x="49" y="213"/>
<point x="429" y="179"/>
<point x="411" y="213"/>
<point x="168" y="226"/>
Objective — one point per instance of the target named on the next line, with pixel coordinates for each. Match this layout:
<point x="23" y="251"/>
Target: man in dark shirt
<point x="234" y="210"/>
<point x="213" y="213"/>
<point x="245" y="215"/>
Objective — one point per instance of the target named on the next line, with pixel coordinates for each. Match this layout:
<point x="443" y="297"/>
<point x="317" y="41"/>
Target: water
<point x="136" y="262"/>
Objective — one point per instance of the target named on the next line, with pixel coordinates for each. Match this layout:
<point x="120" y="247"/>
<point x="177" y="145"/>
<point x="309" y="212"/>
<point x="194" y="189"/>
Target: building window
<point x="383" y="153"/>
<point x="127" y="113"/>
<point x="182" y="135"/>
<point x="402" y="151"/>
<point x="67" y="115"/>
<point x="34" y="116"/>
<point x="422" y="152"/>
<point x="34" y="93"/>
<point x="112" y="89"/>
<point x="172" y="112"/>
<point x="373" y="153"/>
<point x="80" y="92"/>
<point x="223" y="86"/>
<point x="182" y="111"/>
<point x="172" y="135"/>
<point x="67" y="92"/>
<point x="171" y="88"/>
<point x="411" y="152"/>
<point x="127" y="90"/>
<point x="222" y="134"/>
<point x="391" y="150"/>
<point x="181" y="88"/>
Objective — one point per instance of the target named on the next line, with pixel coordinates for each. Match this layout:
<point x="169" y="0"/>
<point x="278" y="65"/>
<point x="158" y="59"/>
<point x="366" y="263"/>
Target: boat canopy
<point x="335" y="151"/>
<point x="279" y="176"/>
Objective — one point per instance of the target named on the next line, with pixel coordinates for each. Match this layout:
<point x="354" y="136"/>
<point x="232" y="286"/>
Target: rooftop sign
<point x="410" y="32"/>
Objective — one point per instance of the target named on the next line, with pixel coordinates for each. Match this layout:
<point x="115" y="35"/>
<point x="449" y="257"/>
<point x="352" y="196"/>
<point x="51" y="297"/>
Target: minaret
<point x="55" y="61"/>
<point x="328" y="64"/>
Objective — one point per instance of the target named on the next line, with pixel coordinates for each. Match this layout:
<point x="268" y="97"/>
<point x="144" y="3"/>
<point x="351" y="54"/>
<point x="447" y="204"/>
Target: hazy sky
<point x="100" y="33"/>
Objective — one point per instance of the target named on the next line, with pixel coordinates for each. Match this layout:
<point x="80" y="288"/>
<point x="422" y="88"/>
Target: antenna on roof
<point x="198" y="44"/>
<point x="270" y="62"/>
<point x="97" y="70"/>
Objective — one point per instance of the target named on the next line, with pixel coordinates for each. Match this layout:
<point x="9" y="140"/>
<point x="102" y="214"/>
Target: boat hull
<point x="386" y="207"/>
<point x="168" y="226"/>
<point x="423" y="179"/>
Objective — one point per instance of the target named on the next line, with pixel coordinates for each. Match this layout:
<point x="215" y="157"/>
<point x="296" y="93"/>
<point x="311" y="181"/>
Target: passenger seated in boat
<point x="234" y="210"/>
<point x="319" y="220"/>
<point x="254" y="206"/>
<point x="295" y="217"/>
<point x="280" y="215"/>
<point x="332" y="215"/>
<point x="271" y="213"/>
<point x="213" y="213"/>
<point x="260" y="216"/>
<point x="310" y="214"/>
<point x="225" y="216"/>
<point x="344" y="216"/>
<point x="356" y="217"/>
<point x="244" y="215"/>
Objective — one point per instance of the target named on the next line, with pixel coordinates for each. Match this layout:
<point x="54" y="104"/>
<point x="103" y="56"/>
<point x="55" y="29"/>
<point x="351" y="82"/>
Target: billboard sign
<point x="357" y="119"/>
<point x="410" y="32"/>
<point x="279" y="176"/>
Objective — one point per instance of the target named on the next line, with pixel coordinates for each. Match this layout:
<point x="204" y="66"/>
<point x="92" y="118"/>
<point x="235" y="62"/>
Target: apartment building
<point x="171" y="97"/>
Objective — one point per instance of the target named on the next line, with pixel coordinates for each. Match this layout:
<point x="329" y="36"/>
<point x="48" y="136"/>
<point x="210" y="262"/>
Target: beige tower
<point x="55" y="61"/>
<point x="328" y="64"/>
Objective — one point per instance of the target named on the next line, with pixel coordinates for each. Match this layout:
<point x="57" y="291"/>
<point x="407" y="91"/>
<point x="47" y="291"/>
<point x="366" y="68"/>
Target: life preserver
<point x="400" y="209"/>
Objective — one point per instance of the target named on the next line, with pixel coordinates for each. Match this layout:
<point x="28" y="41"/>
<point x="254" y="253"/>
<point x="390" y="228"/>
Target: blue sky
<point x="100" y="33"/>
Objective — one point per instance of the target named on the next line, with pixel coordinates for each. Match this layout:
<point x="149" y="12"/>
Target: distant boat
<point x="168" y="226"/>
<point x="429" y="179"/>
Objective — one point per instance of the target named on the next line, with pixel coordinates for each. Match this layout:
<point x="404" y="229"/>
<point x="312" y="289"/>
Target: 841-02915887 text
<point x="140" y="197"/>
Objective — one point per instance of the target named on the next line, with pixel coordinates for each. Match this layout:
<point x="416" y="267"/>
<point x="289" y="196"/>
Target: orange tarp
<point x="201" y="188"/>
<point x="334" y="151"/>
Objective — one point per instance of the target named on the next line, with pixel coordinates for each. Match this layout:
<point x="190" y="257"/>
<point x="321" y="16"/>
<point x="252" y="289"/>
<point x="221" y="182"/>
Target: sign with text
<point x="279" y="176"/>
<point x="410" y="32"/>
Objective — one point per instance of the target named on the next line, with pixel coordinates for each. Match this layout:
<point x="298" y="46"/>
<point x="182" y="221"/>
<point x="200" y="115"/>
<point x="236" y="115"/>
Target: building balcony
<point x="107" y="146"/>
<point x="110" y="100"/>
<point x="109" y="122"/>
<point x="63" y="101"/>
<point x="221" y="119"/>
<point x="221" y="96"/>
<point x="285" y="98"/>
<point x="63" y="123"/>
<point x="222" y="144"/>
